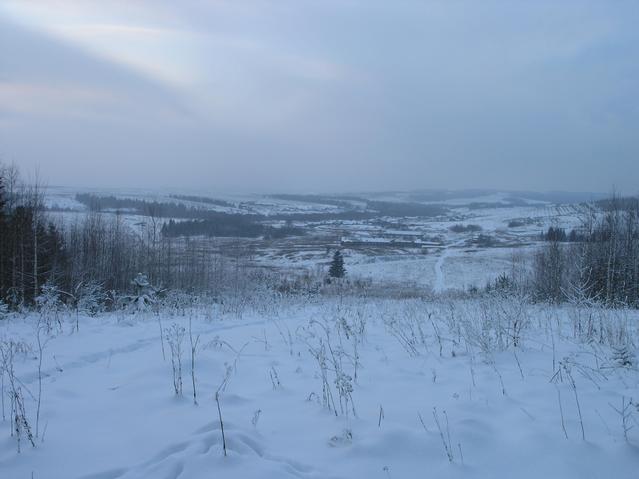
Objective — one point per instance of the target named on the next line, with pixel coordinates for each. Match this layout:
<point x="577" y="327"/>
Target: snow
<point x="109" y="410"/>
<point x="440" y="284"/>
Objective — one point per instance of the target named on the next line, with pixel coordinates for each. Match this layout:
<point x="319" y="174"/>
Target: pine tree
<point x="337" y="269"/>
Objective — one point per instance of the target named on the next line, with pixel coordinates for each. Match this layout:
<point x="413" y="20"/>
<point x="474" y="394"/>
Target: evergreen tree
<point x="622" y="356"/>
<point x="337" y="269"/>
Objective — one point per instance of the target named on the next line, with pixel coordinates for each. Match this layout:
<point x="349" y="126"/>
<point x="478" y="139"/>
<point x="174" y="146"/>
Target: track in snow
<point x="440" y="283"/>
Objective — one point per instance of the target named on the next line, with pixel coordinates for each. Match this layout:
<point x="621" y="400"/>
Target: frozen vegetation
<point x="330" y="385"/>
<point x="369" y="337"/>
<point x="231" y="244"/>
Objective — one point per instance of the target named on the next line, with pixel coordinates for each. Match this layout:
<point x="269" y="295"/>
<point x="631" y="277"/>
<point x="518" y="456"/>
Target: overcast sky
<point x="324" y="95"/>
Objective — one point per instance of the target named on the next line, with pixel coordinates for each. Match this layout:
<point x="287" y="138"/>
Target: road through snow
<point x="440" y="284"/>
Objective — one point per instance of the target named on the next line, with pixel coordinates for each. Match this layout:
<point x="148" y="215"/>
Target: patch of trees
<point x="325" y="217"/>
<point x="150" y="208"/>
<point x="98" y="255"/>
<point x="234" y="226"/>
<point x="180" y="211"/>
<point x="199" y="222"/>
<point x="516" y="223"/>
<point x="203" y="199"/>
<point x="557" y="234"/>
<point x="627" y="203"/>
<point x="603" y="267"/>
<point x="321" y="217"/>
<point x="177" y="210"/>
<point x="104" y="250"/>
<point x="373" y="209"/>
<point x="31" y="248"/>
<point x="388" y="208"/>
<point x="460" y="228"/>
<point x="283" y="231"/>
<point x="485" y="241"/>
<point x="519" y="222"/>
<point x="237" y="226"/>
<point x="340" y="202"/>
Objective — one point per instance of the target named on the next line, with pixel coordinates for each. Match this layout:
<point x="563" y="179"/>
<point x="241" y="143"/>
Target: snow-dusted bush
<point x="495" y="322"/>
<point x="178" y="302"/>
<point x="20" y="424"/>
<point x="49" y="305"/>
<point x="332" y="360"/>
<point x="622" y="356"/>
<point x="408" y="324"/>
<point x="90" y="297"/>
<point x="143" y="297"/>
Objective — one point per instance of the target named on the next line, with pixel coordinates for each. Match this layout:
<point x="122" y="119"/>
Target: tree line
<point x="231" y="226"/>
<point x="374" y="209"/>
<point x="160" y="209"/>
<point x="557" y="234"/>
<point x="599" y="264"/>
<point x="31" y="248"/>
<point x="96" y="251"/>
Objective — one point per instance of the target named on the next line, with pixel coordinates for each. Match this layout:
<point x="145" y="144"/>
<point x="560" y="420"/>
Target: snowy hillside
<point x="338" y="388"/>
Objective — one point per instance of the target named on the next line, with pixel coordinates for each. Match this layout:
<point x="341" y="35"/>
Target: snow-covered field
<point x="330" y="387"/>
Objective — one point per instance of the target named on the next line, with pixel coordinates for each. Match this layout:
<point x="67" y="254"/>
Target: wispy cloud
<point x="393" y="94"/>
<point x="44" y="99"/>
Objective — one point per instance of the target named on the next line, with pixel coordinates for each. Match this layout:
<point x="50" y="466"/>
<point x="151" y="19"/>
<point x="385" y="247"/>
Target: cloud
<point x="324" y="95"/>
<point x="33" y="98"/>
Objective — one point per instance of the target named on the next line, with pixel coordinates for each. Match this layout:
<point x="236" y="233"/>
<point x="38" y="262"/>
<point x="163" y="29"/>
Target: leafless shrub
<point x="444" y="437"/>
<point x="20" y="424"/>
<point x="330" y="360"/>
<point x="49" y="305"/>
<point x="175" y="337"/>
<point x="194" y="344"/>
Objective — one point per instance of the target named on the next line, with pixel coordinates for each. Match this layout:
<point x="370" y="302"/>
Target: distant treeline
<point x="388" y="208"/>
<point x="230" y="226"/>
<point x="623" y="204"/>
<point x="151" y="208"/>
<point x="215" y="223"/>
<point x="199" y="222"/>
<point x="460" y="228"/>
<point x="559" y="234"/>
<point x="320" y="217"/>
<point x="31" y="248"/>
<point x="372" y="209"/>
<point x="340" y="202"/>
<point x="203" y="199"/>
<point x="600" y="266"/>
<point x="96" y="254"/>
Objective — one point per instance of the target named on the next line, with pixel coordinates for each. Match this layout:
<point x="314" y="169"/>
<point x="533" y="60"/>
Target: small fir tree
<point x="337" y="269"/>
<point x="622" y="356"/>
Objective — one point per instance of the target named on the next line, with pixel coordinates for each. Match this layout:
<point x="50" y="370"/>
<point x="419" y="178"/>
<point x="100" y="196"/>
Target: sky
<point x="322" y="95"/>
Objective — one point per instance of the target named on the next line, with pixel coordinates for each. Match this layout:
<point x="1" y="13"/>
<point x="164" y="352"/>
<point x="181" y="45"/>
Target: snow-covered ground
<point x="109" y="409"/>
